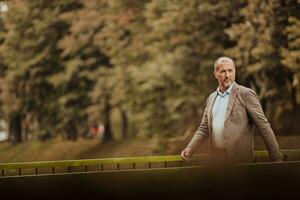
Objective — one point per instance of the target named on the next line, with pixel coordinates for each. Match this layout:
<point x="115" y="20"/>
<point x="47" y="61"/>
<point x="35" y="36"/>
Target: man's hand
<point x="186" y="154"/>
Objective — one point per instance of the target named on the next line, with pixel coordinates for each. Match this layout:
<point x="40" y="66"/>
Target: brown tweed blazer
<point x="243" y="112"/>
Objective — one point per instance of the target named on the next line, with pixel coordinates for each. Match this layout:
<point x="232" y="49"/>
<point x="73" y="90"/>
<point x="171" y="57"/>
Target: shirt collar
<point x="227" y="92"/>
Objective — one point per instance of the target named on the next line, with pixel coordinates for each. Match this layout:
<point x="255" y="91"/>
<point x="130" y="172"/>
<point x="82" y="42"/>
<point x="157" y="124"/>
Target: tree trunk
<point x="294" y="94"/>
<point x="107" y="123"/>
<point x="25" y="129"/>
<point x="124" y="124"/>
<point x="15" y="129"/>
<point x="72" y="131"/>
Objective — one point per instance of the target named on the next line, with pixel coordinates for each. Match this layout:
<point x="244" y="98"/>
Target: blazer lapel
<point x="209" y="110"/>
<point x="231" y="99"/>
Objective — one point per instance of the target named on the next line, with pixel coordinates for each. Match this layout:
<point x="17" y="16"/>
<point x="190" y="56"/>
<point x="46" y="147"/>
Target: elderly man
<point x="229" y="116"/>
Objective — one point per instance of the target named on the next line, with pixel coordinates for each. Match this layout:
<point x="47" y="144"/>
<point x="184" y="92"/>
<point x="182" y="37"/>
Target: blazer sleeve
<point x="202" y="132"/>
<point x="258" y="117"/>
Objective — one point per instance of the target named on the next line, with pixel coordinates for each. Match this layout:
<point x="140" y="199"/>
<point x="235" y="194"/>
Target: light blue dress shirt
<point x="218" y="116"/>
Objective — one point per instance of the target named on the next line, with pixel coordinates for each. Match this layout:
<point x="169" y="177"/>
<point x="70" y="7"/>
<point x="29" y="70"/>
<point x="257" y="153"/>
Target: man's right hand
<point x="186" y="154"/>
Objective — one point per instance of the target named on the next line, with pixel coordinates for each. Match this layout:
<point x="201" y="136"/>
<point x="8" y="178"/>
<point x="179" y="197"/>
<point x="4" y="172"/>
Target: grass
<point x="59" y="149"/>
<point x="284" y="142"/>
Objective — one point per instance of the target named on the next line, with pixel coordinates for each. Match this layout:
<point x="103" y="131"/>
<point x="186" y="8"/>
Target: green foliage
<point x="291" y="51"/>
<point x="67" y="64"/>
<point x="261" y="54"/>
<point x="30" y="52"/>
<point x="183" y="40"/>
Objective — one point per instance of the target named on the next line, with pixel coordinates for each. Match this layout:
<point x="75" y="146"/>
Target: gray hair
<point x="221" y="60"/>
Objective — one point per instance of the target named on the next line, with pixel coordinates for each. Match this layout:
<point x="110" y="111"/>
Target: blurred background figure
<point x="96" y="130"/>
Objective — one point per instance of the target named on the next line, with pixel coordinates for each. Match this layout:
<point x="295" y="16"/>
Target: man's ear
<point x="215" y="73"/>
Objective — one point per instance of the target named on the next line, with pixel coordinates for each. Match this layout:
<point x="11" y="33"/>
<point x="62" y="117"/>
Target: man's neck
<point x="223" y="89"/>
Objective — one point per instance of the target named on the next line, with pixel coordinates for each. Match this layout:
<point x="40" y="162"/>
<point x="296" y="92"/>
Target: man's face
<point x="225" y="74"/>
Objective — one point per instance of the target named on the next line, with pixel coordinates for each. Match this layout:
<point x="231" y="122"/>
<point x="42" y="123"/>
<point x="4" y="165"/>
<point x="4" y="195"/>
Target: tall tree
<point x="84" y="62"/>
<point x="183" y="40"/>
<point x="125" y="32"/>
<point x="31" y="55"/>
<point x="291" y="51"/>
<point x="259" y="37"/>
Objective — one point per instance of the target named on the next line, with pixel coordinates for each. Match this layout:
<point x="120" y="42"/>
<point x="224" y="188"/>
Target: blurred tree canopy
<point x="67" y="64"/>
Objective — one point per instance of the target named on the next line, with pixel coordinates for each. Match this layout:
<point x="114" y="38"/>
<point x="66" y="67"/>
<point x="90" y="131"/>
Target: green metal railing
<point x="148" y="162"/>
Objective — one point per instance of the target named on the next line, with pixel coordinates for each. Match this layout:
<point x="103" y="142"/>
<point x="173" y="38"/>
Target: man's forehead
<point x="225" y="65"/>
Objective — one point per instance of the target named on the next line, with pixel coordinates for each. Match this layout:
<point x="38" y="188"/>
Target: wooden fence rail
<point x="270" y="180"/>
<point x="85" y="165"/>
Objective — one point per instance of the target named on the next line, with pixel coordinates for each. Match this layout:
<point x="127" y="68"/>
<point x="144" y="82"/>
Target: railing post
<point x="285" y="157"/>
<point x="196" y="162"/>
<point x="146" y="163"/>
